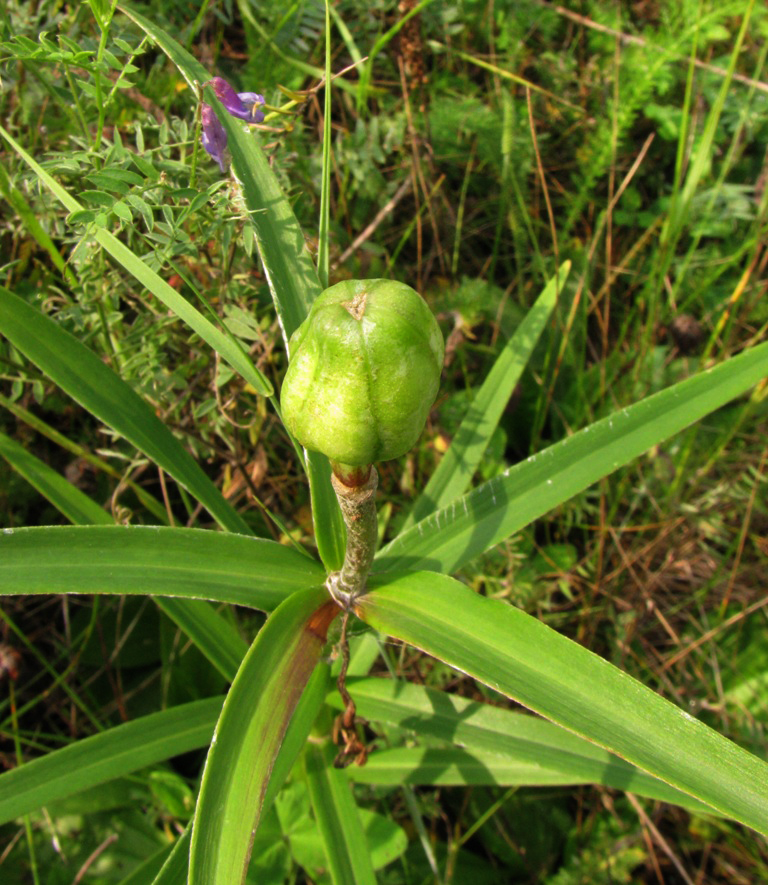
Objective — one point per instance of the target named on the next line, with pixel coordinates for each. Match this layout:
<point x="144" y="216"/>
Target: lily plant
<point x="365" y="359"/>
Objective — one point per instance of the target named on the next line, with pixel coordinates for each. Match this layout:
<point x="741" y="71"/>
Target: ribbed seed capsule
<point x="364" y="372"/>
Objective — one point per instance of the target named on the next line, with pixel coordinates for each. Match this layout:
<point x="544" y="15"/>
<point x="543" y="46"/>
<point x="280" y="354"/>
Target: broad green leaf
<point x="383" y="839"/>
<point x="526" y="748"/>
<point x="177" y="866"/>
<point x="519" y="656"/>
<point x="224" y="344"/>
<point x="106" y="756"/>
<point x="156" y="561"/>
<point x="291" y="275"/>
<point x="84" y="377"/>
<point x="338" y="820"/>
<point x="459" y="463"/>
<point x="453" y="536"/>
<point x="249" y="733"/>
<point x="68" y="499"/>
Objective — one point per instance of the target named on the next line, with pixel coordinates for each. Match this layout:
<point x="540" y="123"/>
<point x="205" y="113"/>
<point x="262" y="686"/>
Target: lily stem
<point x="358" y="507"/>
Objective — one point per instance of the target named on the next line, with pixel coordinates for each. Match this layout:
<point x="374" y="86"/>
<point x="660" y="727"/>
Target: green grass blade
<point x="68" y="499"/>
<point x="84" y="377"/>
<point x="459" y="463"/>
<point x="330" y="532"/>
<point x="216" y="637"/>
<point x="249" y="733"/>
<point x="519" y="656"/>
<point x="176" y="868"/>
<point x="149" y="869"/>
<point x="154" y="561"/>
<point x="510" y="748"/>
<point x="701" y="158"/>
<point x="154" y="506"/>
<point x="106" y="756"/>
<point x="27" y="215"/>
<point x="338" y="820"/>
<point x="324" y="224"/>
<point x="288" y="265"/>
<point x="452" y="537"/>
<point x="224" y="344"/>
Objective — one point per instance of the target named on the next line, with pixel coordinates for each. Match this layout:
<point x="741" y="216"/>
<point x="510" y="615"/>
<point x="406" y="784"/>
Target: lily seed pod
<point x="364" y="372"/>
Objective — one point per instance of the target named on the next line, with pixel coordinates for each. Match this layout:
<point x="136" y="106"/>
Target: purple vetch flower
<point x="243" y="105"/>
<point x="214" y="137"/>
<point x="239" y="104"/>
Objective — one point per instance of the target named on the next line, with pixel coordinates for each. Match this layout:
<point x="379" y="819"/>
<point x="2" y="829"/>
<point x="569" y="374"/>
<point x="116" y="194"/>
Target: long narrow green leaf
<point x="529" y="749"/>
<point x="254" y="720"/>
<point x="337" y="818"/>
<point x="155" y="561"/>
<point x="455" y="767"/>
<point x="84" y="377"/>
<point x="68" y="499"/>
<point x="216" y="638"/>
<point x="519" y="656"/>
<point x="278" y="237"/>
<point x="27" y="215"/>
<point x="324" y="224"/>
<point x="291" y="274"/>
<point x="459" y="463"/>
<point x="36" y="423"/>
<point x="106" y="756"/>
<point x="452" y="537"/>
<point x="149" y="869"/>
<point x="175" y="870"/>
<point x="330" y="532"/>
<point x="292" y="277"/>
<point x="224" y="344"/>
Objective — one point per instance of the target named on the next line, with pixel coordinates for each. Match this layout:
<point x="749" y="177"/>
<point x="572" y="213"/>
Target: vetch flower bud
<point x="364" y="372"/>
<point x="213" y="138"/>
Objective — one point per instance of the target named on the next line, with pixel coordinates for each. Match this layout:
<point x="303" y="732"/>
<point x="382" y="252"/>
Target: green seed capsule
<point x="364" y="372"/>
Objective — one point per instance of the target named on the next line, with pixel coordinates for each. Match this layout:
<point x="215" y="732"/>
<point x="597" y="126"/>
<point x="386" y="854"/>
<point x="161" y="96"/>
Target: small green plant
<point x="604" y="727"/>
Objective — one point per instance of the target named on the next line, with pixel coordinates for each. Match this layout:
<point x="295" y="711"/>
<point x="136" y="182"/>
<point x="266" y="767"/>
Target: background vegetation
<point x="475" y="148"/>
